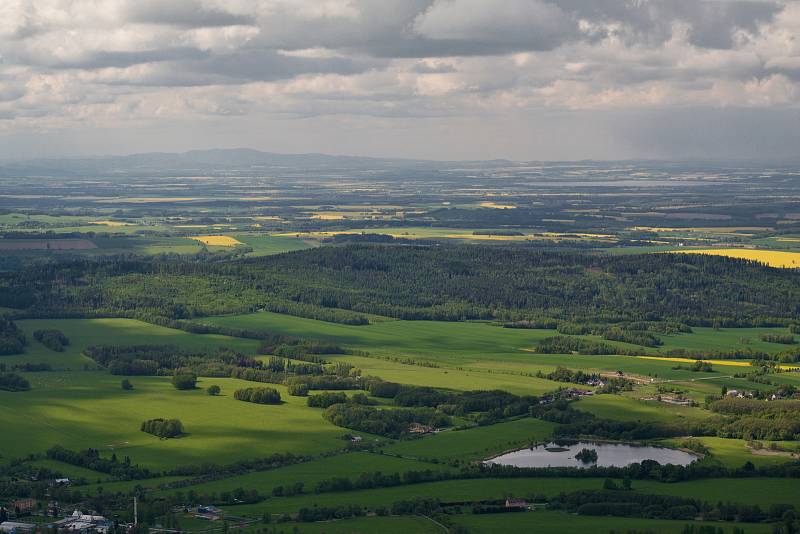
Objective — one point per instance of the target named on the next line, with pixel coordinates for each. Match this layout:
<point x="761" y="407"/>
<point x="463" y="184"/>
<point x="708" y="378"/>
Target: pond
<point x="608" y="455"/>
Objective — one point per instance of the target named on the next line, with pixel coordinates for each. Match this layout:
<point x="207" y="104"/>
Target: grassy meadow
<point x="89" y="409"/>
<point x="79" y="406"/>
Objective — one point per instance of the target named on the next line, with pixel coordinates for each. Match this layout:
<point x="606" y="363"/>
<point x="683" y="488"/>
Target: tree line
<point x="411" y="282"/>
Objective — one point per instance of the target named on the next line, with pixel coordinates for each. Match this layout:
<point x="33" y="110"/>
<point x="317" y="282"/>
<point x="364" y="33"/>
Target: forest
<point x="347" y="283"/>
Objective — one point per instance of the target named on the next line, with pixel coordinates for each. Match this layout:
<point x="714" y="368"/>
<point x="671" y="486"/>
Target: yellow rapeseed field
<point x="497" y="206"/>
<point x="730" y="363"/>
<point x="773" y="258"/>
<point x="217" y="240"/>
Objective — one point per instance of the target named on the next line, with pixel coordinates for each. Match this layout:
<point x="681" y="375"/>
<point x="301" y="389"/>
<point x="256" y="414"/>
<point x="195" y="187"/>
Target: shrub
<point x="324" y="400"/>
<point x="213" y="390"/>
<point x="258" y="395"/>
<point x="126" y="385"/>
<point x="184" y="381"/>
<point x="163" y="428"/>
<point x="52" y="339"/>
<point x="298" y="390"/>
<point x="784" y="339"/>
<point x="13" y="382"/>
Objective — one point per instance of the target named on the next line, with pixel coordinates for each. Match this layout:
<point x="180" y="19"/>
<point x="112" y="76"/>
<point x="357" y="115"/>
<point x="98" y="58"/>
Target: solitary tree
<point x="184" y="381"/>
<point x="126" y="384"/>
<point x="213" y="390"/>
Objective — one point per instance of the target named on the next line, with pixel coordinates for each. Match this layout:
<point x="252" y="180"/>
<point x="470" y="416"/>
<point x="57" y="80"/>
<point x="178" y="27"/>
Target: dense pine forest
<point x="346" y="283"/>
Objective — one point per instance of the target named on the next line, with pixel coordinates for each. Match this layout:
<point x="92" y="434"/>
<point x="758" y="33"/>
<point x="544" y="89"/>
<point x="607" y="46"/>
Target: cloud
<point x="72" y="64"/>
<point x="492" y="27"/>
<point x="184" y="13"/>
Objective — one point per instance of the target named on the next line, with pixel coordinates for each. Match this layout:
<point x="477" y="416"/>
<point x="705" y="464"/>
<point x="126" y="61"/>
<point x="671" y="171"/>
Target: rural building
<point x="24" y="506"/>
<point x="83" y="523"/>
<point x="209" y="513"/>
<point x="417" y="428"/>
<point x="516" y="503"/>
<point x="356" y="439"/>
<point x="13" y="527"/>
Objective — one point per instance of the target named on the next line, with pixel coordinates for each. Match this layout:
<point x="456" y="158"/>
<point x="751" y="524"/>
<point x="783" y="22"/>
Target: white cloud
<point x="79" y="62"/>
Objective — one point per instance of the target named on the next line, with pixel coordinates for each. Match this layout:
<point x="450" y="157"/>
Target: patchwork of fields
<point x="80" y="406"/>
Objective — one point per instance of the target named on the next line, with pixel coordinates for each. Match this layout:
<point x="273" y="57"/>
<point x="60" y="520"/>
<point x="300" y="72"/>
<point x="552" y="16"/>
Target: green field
<point x="475" y="443"/>
<point x="348" y="465"/>
<point x="474" y="490"/>
<point x="79" y="407"/>
<point x="561" y="523"/>
<point x="83" y="333"/>
<point x="88" y="409"/>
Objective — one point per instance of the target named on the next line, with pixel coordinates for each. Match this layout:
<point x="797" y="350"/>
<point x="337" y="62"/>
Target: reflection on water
<point x="608" y="455"/>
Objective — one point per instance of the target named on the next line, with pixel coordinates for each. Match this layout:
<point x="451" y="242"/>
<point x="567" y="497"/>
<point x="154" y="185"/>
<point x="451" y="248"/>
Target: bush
<point x="784" y="339"/>
<point x="12" y="340"/>
<point x="163" y="428"/>
<point x="13" y="382"/>
<point x="184" y="381"/>
<point x="258" y="395"/>
<point x="126" y="385"/>
<point x="52" y="339"/>
<point x="298" y="390"/>
<point x="325" y="400"/>
<point x="213" y="390"/>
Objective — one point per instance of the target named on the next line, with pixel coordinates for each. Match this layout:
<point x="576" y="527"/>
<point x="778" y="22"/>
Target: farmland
<point x="313" y="350"/>
<point x="772" y="258"/>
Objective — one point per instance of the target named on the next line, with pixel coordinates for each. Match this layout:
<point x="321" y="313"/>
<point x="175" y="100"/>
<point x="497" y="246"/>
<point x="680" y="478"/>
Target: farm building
<point x="13" y="527"/>
<point x="516" y="503"/>
<point x="24" y="506"/>
<point x="83" y="523"/>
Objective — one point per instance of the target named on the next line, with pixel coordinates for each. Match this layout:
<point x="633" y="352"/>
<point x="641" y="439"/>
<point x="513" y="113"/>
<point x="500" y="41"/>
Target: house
<point x="356" y="439"/>
<point x="53" y="509"/>
<point x="209" y="513"/>
<point x="13" y="527"/>
<point x="575" y="392"/>
<point x="516" y="503"/>
<point x="417" y="428"/>
<point x="62" y="482"/>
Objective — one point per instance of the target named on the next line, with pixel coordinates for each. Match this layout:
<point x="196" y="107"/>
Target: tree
<point x="126" y="385"/>
<point x="184" y="381"/>
<point x="213" y="390"/>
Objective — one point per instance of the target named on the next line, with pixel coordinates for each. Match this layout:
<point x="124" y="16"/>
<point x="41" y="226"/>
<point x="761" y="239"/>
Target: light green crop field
<point x="734" y="452"/>
<point x="626" y="408"/>
<point x="264" y="245"/>
<point x="475" y="443"/>
<point x="457" y="342"/>
<point x="83" y="333"/>
<point x="450" y="377"/>
<point x="88" y="409"/>
<point x="481" y="352"/>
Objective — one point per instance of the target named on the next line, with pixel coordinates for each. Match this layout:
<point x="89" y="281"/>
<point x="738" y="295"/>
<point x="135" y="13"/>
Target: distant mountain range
<point x="249" y="162"/>
<point x="241" y="160"/>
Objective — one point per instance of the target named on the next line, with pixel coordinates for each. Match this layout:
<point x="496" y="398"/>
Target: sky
<point x="438" y="79"/>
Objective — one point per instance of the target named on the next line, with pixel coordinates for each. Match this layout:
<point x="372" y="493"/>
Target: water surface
<point x="608" y="455"/>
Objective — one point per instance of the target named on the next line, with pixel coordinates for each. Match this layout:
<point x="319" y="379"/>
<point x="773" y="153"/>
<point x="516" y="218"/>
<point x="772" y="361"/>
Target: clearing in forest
<point x="217" y="240"/>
